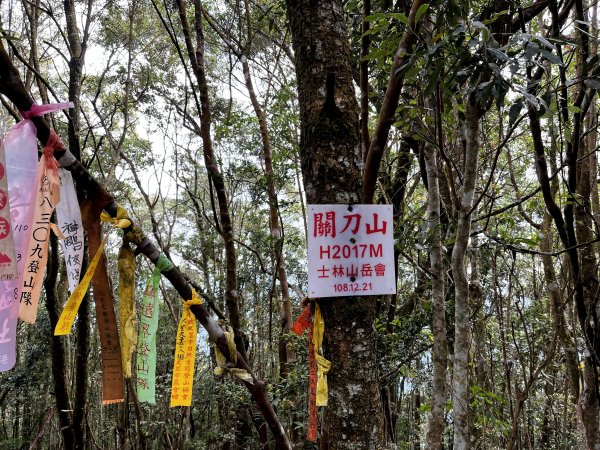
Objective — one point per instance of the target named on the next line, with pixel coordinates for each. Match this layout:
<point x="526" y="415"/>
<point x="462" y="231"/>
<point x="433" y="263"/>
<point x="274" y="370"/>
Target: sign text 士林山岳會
<point x="350" y="250"/>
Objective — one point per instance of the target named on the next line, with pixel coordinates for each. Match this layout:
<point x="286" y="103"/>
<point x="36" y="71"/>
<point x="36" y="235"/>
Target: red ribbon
<point x="304" y="321"/>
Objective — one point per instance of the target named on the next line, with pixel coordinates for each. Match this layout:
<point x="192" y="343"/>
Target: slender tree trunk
<point x="462" y="335"/>
<point x="286" y="355"/>
<point x="331" y="161"/>
<point x="196" y="56"/>
<point x="77" y="47"/>
<point x="63" y="403"/>
<point x="435" y="425"/>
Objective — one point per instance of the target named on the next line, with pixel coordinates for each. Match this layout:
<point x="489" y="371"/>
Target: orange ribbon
<point x="47" y="196"/>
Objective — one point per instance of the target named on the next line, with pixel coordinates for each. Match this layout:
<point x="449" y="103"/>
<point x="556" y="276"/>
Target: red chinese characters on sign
<point x="350" y="250"/>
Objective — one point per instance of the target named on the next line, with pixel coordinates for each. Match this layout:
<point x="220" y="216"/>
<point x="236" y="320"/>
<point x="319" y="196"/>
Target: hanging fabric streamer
<point x="69" y="312"/>
<point x="185" y="355"/>
<point x="146" y="350"/>
<point x="318" y="366"/>
<point x="8" y="258"/>
<point x="323" y="365"/>
<point x="127" y="316"/>
<point x="8" y="272"/>
<point x="20" y="147"/>
<point x="68" y="216"/>
<point x="113" y="389"/>
<point x="46" y="196"/>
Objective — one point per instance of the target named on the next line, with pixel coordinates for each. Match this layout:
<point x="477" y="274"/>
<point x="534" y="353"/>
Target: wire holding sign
<point x="350" y="250"/>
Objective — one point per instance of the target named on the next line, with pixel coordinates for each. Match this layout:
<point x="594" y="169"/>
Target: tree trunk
<point x="435" y="425"/>
<point x="331" y="158"/>
<point x="286" y="355"/>
<point x="63" y="404"/>
<point x="462" y="338"/>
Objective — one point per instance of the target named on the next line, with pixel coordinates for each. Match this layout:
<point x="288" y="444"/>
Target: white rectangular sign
<point x="350" y="250"/>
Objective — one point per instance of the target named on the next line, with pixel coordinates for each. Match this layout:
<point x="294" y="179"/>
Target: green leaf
<point x="554" y="59"/>
<point x="400" y="17"/>
<point x="498" y="54"/>
<point x="545" y="42"/>
<point x="420" y="11"/>
<point x="514" y="111"/>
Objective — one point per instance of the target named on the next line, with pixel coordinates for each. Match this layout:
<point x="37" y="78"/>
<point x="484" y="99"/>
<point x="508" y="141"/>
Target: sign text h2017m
<point x="350" y="250"/>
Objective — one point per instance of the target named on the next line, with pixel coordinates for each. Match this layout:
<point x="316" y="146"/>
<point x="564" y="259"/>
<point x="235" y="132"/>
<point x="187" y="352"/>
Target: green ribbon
<point x="148" y="326"/>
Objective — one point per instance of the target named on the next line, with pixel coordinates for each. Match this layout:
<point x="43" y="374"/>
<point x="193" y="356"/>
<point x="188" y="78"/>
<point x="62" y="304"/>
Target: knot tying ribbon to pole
<point x="185" y="355"/>
<point x="148" y="327"/>
<point x="224" y="367"/>
<point x="121" y="220"/>
<point x="164" y="264"/>
<point x="318" y="365"/>
<point x="54" y="143"/>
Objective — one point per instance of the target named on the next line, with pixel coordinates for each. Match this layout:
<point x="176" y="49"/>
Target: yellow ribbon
<point x="120" y="221"/>
<point x="67" y="317"/>
<point x="185" y="355"/>
<point x="127" y="316"/>
<point x="323" y="365"/>
<point x="224" y="367"/>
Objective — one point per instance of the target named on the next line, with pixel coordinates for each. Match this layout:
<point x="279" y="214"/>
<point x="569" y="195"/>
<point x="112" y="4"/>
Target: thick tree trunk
<point x="331" y="167"/>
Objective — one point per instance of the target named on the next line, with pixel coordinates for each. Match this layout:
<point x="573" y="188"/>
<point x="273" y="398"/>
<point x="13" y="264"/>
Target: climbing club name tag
<point x="350" y="250"/>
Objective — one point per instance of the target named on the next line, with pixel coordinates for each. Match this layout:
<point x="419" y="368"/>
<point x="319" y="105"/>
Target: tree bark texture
<point x="435" y="426"/>
<point x="462" y="335"/>
<point x="330" y="149"/>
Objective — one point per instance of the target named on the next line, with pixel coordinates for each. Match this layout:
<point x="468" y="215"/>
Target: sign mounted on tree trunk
<point x="350" y="250"/>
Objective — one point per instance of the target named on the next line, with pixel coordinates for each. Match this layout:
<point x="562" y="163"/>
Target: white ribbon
<point x="68" y="215"/>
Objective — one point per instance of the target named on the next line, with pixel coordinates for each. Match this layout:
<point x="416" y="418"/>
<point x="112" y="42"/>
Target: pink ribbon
<point x="40" y="110"/>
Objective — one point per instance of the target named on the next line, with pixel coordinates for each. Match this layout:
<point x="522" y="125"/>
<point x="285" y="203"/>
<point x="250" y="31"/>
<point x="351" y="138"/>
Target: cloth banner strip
<point x="127" y="316"/>
<point x="318" y="366"/>
<point x="146" y="354"/>
<point x="313" y="420"/>
<point x="113" y="390"/>
<point x="8" y="258"/>
<point x="69" y="312"/>
<point x="20" y="147"/>
<point x="323" y="365"/>
<point x="185" y="355"/>
<point x="304" y="321"/>
<point x="48" y="195"/>
<point x="68" y="216"/>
